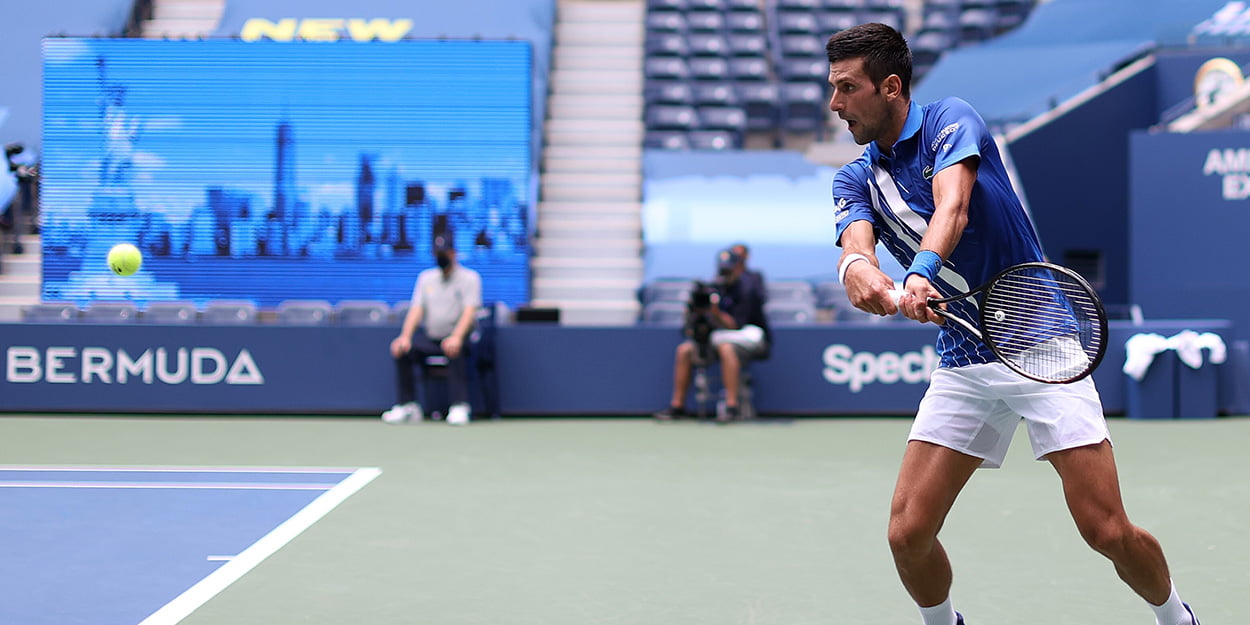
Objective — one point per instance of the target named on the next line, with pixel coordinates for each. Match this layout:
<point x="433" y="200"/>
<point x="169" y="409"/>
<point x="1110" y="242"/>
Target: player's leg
<point x="1066" y="427"/>
<point x="959" y="427"/>
<point x="929" y="480"/>
<point x="1091" y="487"/>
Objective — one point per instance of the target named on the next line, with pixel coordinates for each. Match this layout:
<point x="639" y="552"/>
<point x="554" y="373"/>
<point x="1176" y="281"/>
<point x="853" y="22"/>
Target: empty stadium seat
<point x="928" y="46"/>
<point x="709" y="68"/>
<point x="668" y="92"/>
<point x="759" y="102"/>
<point x="893" y="19"/>
<point x="703" y="44"/>
<point x="729" y="118"/>
<point x="808" y="46"/>
<point x="747" y="44"/>
<point x="977" y="24"/>
<point x="833" y="22"/>
<point x="742" y="5"/>
<point x="229" y="312"/>
<point x="715" y="94"/>
<point x="802" y="23"/>
<point x="841" y="5"/>
<point x="666" y="140"/>
<point x="705" y="5"/>
<point x="666" y="22"/>
<point x="748" y="69"/>
<point x="790" y="313"/>
<point x="666" y="5"/>
<point x="110" y="312"/>
<point x="744" y="22"/>
<point x="809" y="70"/>
<point x="803" y="107"/>
<point x="791" y="291"/>
<point x="170" y="312"/>
<point x="667" y="44"/>
<point x="664" y="67"/>
<point x="797" y="5"/>
<point x="667" y="290"/>
<point x="705" y="21"/>
<point x="712" y="140"/>
<point x="664" y="313"/>
<point x="830" y="294"/>
<point x="50" y="312"/>
<point x="305" y="312"/>
<point x="666" y="117"/>
<point x="362" y="312"/>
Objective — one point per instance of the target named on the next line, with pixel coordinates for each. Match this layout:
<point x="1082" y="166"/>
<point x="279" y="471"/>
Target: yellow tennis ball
<point x="125" y="259"/>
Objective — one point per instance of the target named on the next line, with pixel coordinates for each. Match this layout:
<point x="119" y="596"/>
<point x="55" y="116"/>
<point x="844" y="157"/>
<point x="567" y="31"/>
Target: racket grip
<point x="896" y="295"/>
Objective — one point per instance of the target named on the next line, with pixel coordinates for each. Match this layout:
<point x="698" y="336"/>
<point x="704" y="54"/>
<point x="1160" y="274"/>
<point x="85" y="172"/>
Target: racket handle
<point x="896" y="295"/>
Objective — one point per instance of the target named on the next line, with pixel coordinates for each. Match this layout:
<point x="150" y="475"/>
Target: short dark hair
<point x="883" y="49"/>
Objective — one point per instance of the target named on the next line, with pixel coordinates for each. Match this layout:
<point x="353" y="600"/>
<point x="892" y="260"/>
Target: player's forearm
<point x="858" y="238"/>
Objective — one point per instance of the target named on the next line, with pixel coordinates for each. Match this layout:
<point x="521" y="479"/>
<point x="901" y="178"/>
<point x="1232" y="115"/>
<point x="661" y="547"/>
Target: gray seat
<point x="791" y="291"/>
<point x="229" y="312"/>
<point x="668" y="290"/>
<point x="664" y="313"/>
<point x="303" y="312"/>
<point x="110" y="312"/>
<point x="51" y="312"/>
<point x="790" y="312"/>
<point x="171" y="312"/>
<point x="362" y="312"/>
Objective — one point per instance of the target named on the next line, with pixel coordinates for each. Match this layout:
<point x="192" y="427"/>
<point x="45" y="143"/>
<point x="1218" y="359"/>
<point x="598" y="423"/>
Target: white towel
<point x="1187" y="349"/>
<point x="1140" y="352"/>
<point x="1214" y="344"/>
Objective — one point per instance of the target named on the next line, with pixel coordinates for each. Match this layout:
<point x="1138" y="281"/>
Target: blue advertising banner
<point x="542" y="369"/>
<point x="283" y="170"/>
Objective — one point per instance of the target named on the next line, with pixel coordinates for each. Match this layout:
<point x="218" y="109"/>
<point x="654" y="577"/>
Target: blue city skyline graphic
<point x="272" y="171"/>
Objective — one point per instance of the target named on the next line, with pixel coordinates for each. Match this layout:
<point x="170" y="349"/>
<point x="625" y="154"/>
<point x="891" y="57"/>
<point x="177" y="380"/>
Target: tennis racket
<point x="1043" y="321"/>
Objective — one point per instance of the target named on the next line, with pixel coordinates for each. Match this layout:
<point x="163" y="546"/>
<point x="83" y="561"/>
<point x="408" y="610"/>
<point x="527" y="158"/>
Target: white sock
<point x="1172" y="612"/>
<point x="940" y="614"/>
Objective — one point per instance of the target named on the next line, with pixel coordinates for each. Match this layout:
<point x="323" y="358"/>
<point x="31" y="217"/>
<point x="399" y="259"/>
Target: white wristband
<point x="846" y="262"/>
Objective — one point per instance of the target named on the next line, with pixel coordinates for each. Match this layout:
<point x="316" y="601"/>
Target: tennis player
<point x="932" y="188"/>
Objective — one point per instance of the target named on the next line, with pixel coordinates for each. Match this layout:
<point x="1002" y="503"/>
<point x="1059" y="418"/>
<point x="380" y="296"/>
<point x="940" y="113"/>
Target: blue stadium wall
<point x="1074" y="171"/>
<point x="542" y="369"/>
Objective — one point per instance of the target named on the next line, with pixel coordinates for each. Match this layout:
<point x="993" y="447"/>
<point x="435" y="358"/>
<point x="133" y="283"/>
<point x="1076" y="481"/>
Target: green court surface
<point x="624" y="521"/>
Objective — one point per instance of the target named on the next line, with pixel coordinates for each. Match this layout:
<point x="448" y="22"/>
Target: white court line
<point x="170" y="485"/>
<point x="172" y="469"/>
<point x="207" y="588"/>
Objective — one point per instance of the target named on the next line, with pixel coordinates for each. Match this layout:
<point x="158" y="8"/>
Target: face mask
<point x="443" y="260"/>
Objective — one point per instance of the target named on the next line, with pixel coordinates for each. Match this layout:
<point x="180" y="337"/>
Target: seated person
<point x="446" y="298"/>
<point x="724" y="322"/>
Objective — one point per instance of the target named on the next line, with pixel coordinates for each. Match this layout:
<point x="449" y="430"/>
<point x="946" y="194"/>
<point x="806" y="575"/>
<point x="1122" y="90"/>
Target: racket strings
<point x="1044" y="323"/>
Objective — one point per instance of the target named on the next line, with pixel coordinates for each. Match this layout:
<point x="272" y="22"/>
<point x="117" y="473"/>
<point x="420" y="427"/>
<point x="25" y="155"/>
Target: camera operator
<point x="724" y="322"/>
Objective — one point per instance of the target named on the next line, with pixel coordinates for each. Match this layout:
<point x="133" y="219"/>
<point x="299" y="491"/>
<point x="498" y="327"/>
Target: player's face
<point x="857" y="101"/>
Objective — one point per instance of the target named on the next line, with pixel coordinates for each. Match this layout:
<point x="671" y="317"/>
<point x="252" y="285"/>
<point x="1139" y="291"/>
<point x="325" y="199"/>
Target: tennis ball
<point x="125" y="259"/>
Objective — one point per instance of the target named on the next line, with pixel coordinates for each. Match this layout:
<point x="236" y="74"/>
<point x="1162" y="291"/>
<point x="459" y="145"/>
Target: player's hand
<point x="914" y="304"/>
<point x="868" y="289"/>
<point x="400" y="346"/>
<point x="451" y="346"/>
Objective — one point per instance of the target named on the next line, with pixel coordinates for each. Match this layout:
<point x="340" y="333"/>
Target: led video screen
<point x="274" y="171"/>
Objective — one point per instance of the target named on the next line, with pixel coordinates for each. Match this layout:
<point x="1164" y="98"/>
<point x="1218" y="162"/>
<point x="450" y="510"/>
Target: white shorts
<point x="975" y="410"/>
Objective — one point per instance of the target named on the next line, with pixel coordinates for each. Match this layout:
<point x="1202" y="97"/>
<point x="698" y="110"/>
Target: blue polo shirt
<point x="895" y="194"/>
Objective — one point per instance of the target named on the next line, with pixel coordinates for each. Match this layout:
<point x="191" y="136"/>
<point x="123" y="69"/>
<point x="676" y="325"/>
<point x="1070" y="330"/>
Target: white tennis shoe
<point x="458" y="414"/>
<point x="404" y="413"/>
